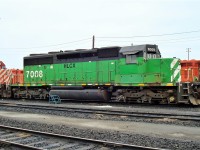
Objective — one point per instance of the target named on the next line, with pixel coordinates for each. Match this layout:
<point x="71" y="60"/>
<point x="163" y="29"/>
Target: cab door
<point x="112" y="70"/>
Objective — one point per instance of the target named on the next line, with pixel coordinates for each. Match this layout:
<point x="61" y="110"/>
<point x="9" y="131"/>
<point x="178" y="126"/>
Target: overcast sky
<point x="39" y="26"/>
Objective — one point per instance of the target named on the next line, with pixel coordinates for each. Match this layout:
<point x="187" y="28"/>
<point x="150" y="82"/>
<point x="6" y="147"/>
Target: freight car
<point x="129" y="74"/>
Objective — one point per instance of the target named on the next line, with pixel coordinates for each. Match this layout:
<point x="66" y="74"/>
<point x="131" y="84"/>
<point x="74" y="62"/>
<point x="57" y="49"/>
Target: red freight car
<point x="190" y="70"/>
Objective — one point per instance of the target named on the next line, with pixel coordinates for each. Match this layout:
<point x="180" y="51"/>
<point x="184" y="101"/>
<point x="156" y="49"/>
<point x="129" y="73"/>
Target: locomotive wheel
<point x="193" y="100"/>
<point x="121" y="98"/>
<point x="28" y="96"/>
<point x="146" y="99"/>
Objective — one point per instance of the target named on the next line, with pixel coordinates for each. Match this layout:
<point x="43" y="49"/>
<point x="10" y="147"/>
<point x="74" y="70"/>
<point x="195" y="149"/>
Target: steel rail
<point x="99" y="142"/>
<point x="9" y="143"/>
<point x="184" y="117"/>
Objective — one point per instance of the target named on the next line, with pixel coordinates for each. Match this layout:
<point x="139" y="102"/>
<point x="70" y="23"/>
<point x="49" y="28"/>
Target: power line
<point x="50" y="45"/>
<point x="174" y="40"/>
<point x="177" y="33"/>
<point x="166" y="34"/>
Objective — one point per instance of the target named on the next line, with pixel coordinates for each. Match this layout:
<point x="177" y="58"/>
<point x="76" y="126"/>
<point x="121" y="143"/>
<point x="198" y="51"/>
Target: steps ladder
<point x="184" y="92"/>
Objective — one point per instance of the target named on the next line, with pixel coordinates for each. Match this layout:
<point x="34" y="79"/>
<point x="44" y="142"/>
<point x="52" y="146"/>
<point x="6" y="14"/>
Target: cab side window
<point x="131" y="59"/>
<point x="150" y="56"/>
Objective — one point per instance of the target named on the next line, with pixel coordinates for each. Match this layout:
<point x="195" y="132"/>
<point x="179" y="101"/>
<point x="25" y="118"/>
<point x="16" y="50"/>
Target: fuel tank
<point x="84" y="94"/>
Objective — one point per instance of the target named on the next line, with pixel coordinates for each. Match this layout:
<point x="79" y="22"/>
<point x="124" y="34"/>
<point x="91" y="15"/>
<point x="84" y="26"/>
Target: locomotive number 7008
<point x="34" y="74"/>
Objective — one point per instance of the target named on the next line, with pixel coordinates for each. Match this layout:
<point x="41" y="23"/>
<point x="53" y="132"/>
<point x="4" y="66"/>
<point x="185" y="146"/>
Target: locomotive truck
<point x="129" y="74"/>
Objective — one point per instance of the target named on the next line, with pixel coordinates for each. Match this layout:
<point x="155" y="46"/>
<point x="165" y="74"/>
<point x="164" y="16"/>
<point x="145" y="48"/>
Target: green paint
<point x="146" y="72"/>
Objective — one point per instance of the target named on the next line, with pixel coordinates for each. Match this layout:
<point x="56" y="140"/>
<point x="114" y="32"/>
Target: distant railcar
<point x="190" y="70"/>
<point x="11" y="76"/>
<point x="2" y="65"/>
<point x="8" y="78"/>
<point x="190" y="74"/>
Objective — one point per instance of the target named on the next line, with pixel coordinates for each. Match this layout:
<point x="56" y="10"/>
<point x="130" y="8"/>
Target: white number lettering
<point x="151" y="49"/>
<point x="34" y="74"/>
<point x="27" y="74"/>
<point x="40" y="74"/>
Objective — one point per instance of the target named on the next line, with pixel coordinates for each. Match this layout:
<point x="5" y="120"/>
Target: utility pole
<point x="188" y="51"/>
<point x="93" y="40"/>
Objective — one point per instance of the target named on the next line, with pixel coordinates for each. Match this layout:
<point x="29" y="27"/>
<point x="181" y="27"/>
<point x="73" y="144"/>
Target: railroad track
<point x="30" y="139"/>
<point x="182" y="117"/>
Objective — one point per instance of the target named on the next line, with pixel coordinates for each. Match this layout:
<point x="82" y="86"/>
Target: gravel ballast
<point x="100" y="116"/>
<point x="106" y="135"/>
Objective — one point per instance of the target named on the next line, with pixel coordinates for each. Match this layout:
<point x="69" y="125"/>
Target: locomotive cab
<point x="145" y="51"/>
<point x="146" y="76"/>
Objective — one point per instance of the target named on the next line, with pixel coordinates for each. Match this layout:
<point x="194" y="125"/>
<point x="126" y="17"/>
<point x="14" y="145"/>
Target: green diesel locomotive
<point x="130" y="74"/>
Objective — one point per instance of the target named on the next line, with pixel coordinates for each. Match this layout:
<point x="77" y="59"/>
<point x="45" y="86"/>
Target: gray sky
<point x="39" y="26"/>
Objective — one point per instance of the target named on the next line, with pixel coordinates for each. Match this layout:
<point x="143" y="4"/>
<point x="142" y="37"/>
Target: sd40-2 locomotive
<point x="129" y="74"/>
